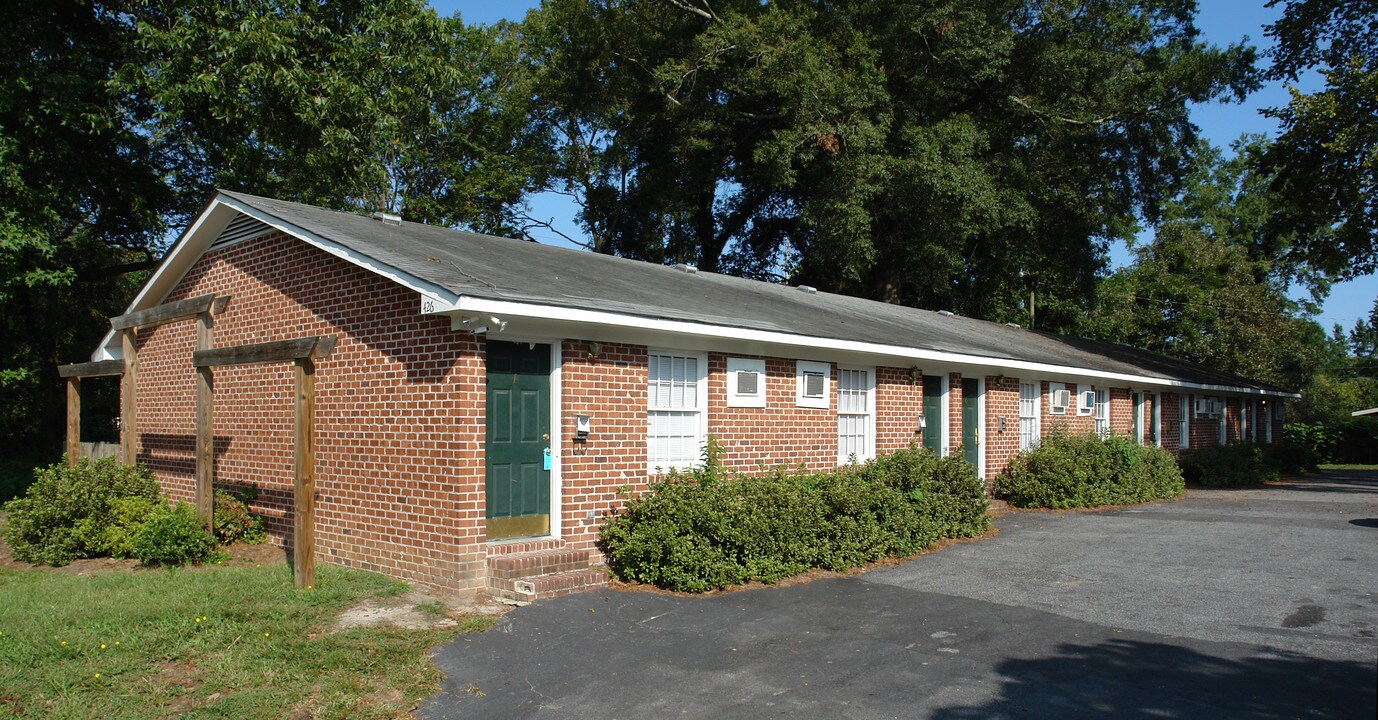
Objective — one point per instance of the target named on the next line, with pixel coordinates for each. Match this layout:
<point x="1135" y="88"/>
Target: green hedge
<point x="1083" y="470"/>
<point x="709" y="528"/>
<point x="1232" y="465"/>
<point x="69" y="512"/>
<point x="104" y="508"/>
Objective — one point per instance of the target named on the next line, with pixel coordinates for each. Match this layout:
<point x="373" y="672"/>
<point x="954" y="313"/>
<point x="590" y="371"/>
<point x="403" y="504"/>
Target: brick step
<point x="512" y="547"/>
<point x="535" y="564"/>
<point x="548" y="586"/>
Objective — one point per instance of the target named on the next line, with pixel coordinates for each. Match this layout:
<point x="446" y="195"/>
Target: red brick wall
<point x="612" y="390"/>
<point x="1071" y="421"/>
<point x="899" y="401"/>
<point x="1002" y="400"/>
<point x="781" y="433"/>
<point x="1205" y="431"/>
<point x="954" y="413"/>
<point x="1121" y="411"/>
<point x="400" y="406"/>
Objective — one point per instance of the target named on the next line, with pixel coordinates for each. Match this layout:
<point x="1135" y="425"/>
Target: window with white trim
<point x="1086" y="399"/>
<point x="811" y="384"/>
<point x="677" y="395"/>
<point x="746" y="382"/>
<point x="1103" y="413"/>
<point x="856" y="436"/>
<point x="1059" y="399"/>
<point x="1184" y="403"/>
<point x="1268" y="422"/>
<point x="1028" y="415"/>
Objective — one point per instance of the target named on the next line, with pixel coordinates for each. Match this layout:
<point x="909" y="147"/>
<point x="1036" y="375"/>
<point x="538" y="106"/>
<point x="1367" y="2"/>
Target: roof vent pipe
<point x="388" y="218"/>
<point x="809" y="289"/>
<point x="1013" y="325"/>
<point x="682" y="267"/>
<point x="946" y="313"/>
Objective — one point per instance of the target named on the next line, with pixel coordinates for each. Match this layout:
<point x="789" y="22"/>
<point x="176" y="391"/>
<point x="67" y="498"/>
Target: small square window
<point x="811" y="384"/>
<point x="746" y="386"/>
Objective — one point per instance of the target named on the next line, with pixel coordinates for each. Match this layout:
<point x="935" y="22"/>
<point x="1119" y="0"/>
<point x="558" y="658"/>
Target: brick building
<point x="488" y="399"/>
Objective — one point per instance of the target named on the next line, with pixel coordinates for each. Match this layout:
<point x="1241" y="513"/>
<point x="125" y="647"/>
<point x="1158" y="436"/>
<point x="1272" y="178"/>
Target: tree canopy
<point x="1326" y="156"/>
<point x="940" y="154"/>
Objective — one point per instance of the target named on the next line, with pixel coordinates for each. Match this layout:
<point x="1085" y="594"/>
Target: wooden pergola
<point x="302" y="352"/>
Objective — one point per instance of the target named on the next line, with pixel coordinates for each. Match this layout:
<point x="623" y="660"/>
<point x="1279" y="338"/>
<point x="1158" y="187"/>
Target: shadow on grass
<point x="1130" y="680"/>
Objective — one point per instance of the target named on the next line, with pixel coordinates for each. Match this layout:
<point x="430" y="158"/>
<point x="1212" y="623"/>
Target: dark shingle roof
<point x="483" y="266"/>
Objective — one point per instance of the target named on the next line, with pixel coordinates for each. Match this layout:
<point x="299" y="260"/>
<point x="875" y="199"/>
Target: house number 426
<point x="427" y="305"/>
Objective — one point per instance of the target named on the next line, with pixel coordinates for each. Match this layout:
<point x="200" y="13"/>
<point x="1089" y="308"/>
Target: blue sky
<point x="1220" y="21"/>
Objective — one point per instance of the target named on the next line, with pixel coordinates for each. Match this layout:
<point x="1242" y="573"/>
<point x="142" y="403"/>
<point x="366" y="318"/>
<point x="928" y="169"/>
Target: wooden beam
<point x="205" y="427"/>
<point x="165" y="313"/>
<point x="129" y="382"/>
<point x="304" y="463"/>
<point x="269" y="352"/>
<point x="91" y="369"/>
<point x="73" y="420"/>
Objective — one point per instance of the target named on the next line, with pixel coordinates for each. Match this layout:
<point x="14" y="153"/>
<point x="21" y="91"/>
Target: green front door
<point x="971" y="421"/>
<point x="518" y="440"/>
<point x="933" y="413"/>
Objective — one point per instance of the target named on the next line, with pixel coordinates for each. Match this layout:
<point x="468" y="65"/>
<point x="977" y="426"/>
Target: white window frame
<point x="1157" y="419"/>
<point x="1223" y="415"/>
<point x="801" y="367"/>
<point x="737" y="365"/>
<point x="869" y="444"/>
<point x="1082" y="407"/>
<point x="1030" y="438"/>
<point x="1053" y="390"/>
<point x="1245" y="426"/>
<point x="1184" y="411"/>
<point x="1138" y="426"/>
<point x="700" y="407"/>
<point x="1102" y="415"/>
<point x="1268" y="425"/>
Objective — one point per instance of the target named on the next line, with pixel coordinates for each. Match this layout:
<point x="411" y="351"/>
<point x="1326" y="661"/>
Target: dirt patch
<point x="421" y="608"/>
<point x="809" y="576"/>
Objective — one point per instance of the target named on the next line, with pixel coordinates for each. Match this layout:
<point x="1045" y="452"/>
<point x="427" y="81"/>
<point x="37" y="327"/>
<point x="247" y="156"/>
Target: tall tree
<point x="1211" y="286"/>
<point x="1326" y="157"/>
<point x="940" y="154"/>
<point x="82" y="199"/>
<point x="354" y="104"/>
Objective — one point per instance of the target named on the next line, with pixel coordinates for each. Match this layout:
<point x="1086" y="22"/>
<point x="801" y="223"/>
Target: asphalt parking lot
<point x="1259" y="603"/>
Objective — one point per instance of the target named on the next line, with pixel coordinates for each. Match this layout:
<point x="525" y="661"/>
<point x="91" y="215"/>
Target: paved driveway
<point x="1226" y="604"/>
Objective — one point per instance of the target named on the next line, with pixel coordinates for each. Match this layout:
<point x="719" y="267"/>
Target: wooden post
<point x="129" y="424"/>
<point x="304" y="460"/>
<point x="73" y="420"/>
<point x="205" y="427"/>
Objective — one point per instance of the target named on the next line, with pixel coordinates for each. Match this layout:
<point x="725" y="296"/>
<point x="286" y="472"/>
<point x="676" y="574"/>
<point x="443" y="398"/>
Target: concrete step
<point x="540" y="587"/>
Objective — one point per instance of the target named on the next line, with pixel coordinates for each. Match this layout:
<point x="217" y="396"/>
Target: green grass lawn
<point x="212" y="642"/>
<point x="1340" y="466"/>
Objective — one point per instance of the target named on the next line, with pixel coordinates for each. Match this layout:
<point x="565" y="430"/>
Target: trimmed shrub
<point x="945" y="491"/>
<point x="1084" y="470"/>
<point x="1232" y="465"/>
<point x="66" y="513"/>
<point x="707" y="528"/>
<point x="173" y="537"/>
<point x="233" y="521"/>
<point x="114" y="533"/>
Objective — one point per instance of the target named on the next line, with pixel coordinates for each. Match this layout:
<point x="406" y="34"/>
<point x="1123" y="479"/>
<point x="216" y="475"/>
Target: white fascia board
<point x="510" y="309"/>
<point x="204" y="230"/>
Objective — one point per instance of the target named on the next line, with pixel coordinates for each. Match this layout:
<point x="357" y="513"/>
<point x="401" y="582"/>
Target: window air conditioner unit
<point x="1061" y="400"/>
<point x="1088" y="399"/>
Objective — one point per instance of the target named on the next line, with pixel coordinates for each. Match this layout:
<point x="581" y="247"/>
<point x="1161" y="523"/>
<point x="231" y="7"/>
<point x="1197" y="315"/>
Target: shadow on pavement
<point x="1130" y="679"/>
